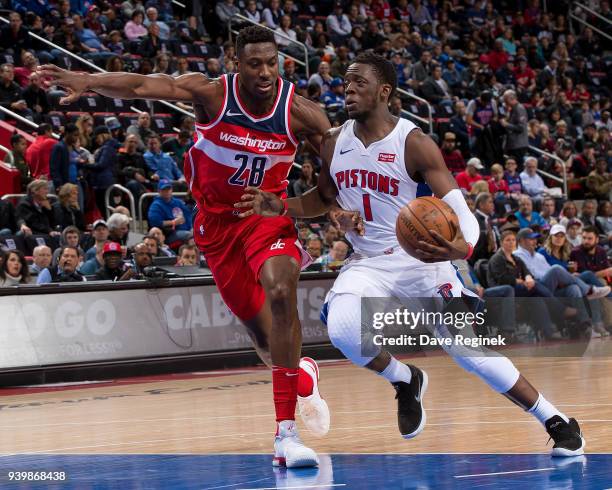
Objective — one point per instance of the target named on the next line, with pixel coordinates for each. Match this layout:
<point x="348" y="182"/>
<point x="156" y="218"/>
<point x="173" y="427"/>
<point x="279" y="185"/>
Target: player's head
<point x="370" y="80"/>
<point x="257" y="56"/>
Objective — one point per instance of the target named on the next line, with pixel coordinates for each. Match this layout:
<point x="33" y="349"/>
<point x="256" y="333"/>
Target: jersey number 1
<point x="367" y="208"/>
<point x="256" y="174"/>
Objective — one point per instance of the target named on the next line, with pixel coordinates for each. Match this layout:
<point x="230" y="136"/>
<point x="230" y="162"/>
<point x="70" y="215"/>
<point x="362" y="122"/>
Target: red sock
<point x="284" y="386"/>
<point x="305" y="384"/>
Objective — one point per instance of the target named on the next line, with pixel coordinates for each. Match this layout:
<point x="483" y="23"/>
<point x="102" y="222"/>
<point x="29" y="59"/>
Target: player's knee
<point x="279" y="293"/>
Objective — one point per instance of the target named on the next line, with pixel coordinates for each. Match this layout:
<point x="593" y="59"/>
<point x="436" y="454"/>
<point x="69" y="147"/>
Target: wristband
<point x="285" y="207"/>
<point x="470" y="251"/>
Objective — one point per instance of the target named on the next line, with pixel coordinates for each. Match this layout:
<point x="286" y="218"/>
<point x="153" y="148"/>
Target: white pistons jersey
<point x="374" y="181"/>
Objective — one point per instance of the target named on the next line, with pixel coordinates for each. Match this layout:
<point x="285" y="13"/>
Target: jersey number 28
<point x="256" y="173"/>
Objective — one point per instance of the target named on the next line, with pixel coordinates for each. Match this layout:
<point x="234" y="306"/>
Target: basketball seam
<point x="435" y="204"/>
<point x="420" y="222"/>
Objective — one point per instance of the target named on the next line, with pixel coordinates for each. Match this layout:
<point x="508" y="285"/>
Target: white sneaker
<point x="313" y="409"/>
<point x="289" y="450"/>
<point x="599" y="292"/>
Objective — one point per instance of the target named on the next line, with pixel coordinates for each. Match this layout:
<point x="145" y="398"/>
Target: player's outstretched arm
<point x="423" y="158"/>
<point x="186" y="88"/>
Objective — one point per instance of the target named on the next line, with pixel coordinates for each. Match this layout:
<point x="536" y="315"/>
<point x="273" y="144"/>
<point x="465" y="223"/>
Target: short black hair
<point x="44" y="128"/>
<point x="385" y="71"/>
<point x="16" y="138"/>
<point x="253" y="35"/>
<point x="590" y="229"/>
<point x="71" y="128"/>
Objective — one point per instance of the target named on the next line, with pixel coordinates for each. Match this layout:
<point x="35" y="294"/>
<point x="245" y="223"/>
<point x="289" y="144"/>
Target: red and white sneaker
<point x="289" y="450"/>
<point x="313" y="409"/>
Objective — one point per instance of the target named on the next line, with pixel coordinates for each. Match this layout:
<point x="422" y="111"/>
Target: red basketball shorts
<point x="235" y="250"/>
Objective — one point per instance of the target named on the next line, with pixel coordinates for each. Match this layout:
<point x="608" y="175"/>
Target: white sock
<point x="397" y="371"/>
<point x="543" y="410"/>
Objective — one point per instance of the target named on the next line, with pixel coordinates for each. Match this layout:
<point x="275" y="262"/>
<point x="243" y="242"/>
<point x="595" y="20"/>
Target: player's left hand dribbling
<point x="445" y="250"/>
<point x="256" y="201"/>
<point x="347" y="221"/>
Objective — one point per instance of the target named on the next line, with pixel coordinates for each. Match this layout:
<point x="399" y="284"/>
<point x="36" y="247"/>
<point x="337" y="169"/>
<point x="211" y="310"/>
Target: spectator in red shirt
<point x="590" y="256"/>
<point x="470" y="175"/>
<point x="525" y="77"/>
<point x="382" y="10"/>
<point x="38" y="153"/>
<point x="497" y="57"/>
<point x="23" y="72"/>
<point x="452" y="157"/>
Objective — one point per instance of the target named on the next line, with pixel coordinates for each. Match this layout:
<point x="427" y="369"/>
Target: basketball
<point x="419" y="216"/>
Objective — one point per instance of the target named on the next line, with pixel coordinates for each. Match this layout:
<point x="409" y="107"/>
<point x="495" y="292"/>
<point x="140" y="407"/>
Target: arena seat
<point x="14" y="242"/>
<point x="57" y="119"/>
<point x="118" y="105"/>
<point x="182" y="49"/>
<point x="162" y="122"/>
<point x="128" y="118"/>
<point x="100" y="116"/>
<point x="197" y="64"/>
<point x="92" y="102"/>
<point x="72" y="116"/>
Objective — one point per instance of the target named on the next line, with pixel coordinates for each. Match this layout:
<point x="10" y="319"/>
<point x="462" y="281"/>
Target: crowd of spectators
<point x="518" y="96"/>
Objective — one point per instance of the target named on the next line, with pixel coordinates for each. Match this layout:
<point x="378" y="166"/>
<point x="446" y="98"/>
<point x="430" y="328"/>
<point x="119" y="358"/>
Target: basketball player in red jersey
<point x="247" y="131"/>
<point x="374" y="143"/>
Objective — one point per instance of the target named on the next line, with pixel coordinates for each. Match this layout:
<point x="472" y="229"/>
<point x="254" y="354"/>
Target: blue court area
<point x="361" y="471"/>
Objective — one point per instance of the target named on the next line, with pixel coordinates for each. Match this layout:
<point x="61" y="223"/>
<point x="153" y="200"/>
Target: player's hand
<point x="347" y="220"/>
<point x="445" y="250"/>
<point x="256" y="201"/>
<point x="74" y="83"/>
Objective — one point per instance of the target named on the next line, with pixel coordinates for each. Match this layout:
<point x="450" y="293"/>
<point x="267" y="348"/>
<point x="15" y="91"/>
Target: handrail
<point x="5" y="197"/>
<point x="592" y="12"/>
<point x="9" y="153"/>
<point x="182" y="5"/>
<point x="572" y="15"/>
<point x="125" y="191"/>
<point x="93" y="66"/>
<point x="151" y="194"/>
<point x="414" y="116"/>
<point x="551" y="176"/>
<point x="24" y="120"/>
<point x="420" y="99"/>
<point x="284" y="36"/>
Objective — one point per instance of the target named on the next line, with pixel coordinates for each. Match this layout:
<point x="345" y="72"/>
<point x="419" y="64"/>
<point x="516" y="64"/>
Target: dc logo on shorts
<point x="446" y="290"/>
<point x="279" y="244"/>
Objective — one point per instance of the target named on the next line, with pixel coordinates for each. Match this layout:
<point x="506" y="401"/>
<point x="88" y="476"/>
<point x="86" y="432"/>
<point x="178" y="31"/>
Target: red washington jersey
<point x="238" y="149"/>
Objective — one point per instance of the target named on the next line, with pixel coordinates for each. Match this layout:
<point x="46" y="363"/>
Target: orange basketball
<point x="421" y="215"/>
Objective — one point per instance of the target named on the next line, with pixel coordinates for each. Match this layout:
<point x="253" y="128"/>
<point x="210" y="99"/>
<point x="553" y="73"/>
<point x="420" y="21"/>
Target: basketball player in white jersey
<point x="375" y="163"/>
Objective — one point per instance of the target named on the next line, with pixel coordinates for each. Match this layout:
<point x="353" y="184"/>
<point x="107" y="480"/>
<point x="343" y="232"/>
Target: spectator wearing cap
<point x="66" y="209"/>
<point x="532" y="183"/>
<point x="452" y="157"/>
<point x="170" y="214"/>
<point x="556" y="279"/>
<point x="161" y="164"/>
<point x="38" y="154"/>
<point x="63" y="162"/>
<point x="515" y="124"/>
<point x="66" y="269"/>
<point x="289" y="73"/>
<point x="334" y="99"/>
<point x="113" y="268"/>
<point x="115" y="128"/>
<point x="527" y="217"/>
<point x="101" y="172"/>
<point x="99" y="234"/>
<point x="470" y="175"/>
<point x="338" y="25"/>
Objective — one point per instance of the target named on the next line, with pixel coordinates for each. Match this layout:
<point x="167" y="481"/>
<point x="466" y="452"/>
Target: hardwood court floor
<point x="232" y="412"/>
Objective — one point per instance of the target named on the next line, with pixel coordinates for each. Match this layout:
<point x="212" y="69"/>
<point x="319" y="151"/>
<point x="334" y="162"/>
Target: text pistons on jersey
<point x="257" y="143"/>
<point x="359" y="177"/>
